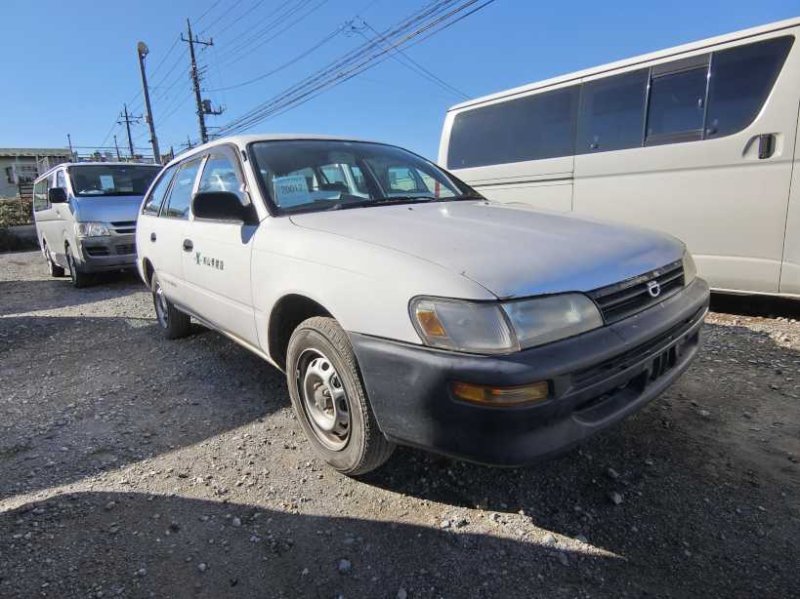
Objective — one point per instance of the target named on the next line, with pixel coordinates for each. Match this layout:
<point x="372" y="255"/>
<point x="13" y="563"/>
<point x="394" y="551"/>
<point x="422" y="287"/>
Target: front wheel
<point x="173" y="323"/>
<point x="54" y="269"/>
<point x="330" y="400"/>
<point x="79" y="279"/>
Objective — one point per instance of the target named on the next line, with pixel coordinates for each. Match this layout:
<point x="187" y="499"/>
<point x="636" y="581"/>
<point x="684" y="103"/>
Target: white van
<point x="698" y="141"/>
<point x="85" y="215"/>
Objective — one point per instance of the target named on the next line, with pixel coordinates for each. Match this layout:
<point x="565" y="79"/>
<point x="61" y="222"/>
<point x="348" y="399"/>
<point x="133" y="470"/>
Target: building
<point x="20" y="166"/>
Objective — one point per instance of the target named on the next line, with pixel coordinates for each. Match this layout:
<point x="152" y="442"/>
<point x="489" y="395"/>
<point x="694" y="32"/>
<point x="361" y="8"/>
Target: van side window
<point x="677" y="101"/>
<point x="61" y="180"/>
<point x="530" y="128"/>
<point x="153" y="202"/>
<point x="741" y="80"/>
<point x="180" y="195"/>
<point x="612" y="113"/>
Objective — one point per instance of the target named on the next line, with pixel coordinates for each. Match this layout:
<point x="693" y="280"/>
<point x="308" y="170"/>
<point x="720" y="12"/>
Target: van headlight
<point x="91" y="229"/>
<point x="689" y="268"/>
<point x="502" y="327"/>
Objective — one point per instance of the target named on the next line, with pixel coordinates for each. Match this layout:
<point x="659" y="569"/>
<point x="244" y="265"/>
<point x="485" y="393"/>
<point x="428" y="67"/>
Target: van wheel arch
<point x="147" y="268"/>
<point x="286" y="316"/>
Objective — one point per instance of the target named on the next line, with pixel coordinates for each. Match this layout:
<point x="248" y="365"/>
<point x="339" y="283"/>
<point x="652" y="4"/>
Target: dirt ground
<point x="131" y="466"/>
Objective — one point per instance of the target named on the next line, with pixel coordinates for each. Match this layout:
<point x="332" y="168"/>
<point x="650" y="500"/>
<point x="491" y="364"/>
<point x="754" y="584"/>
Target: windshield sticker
<point x="291" y="190"/>
<point x="107" y="181"/>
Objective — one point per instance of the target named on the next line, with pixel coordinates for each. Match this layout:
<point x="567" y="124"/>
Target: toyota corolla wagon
<point x="405" y="308"/>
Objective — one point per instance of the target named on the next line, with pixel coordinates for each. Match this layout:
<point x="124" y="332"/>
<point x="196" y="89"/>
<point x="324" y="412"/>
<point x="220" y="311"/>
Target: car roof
<point x="243" y="140"/>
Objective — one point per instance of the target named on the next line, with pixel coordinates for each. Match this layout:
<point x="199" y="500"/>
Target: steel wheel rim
<point x="324" y="399"/>
<point x="160" y="302"/>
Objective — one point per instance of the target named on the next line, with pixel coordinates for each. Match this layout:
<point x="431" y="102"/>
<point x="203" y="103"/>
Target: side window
<point x="220" y="174"/>
<point x="741" y="80"/>
<point x="153" y="202"/>
<point x="61" y="180"/>
<point x="40" y="196"/>
<point x="530" y="128"/>
<point x="400" y="179"/>
<point x="180" y="195"/>
<point x="677" y="101"/>
<point x="612" y="113"/>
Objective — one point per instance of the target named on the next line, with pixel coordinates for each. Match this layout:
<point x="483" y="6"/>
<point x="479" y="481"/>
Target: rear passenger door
<point x="217" y="267"/>
<point x="168" y="232"/>
<point x="700" y="147"/>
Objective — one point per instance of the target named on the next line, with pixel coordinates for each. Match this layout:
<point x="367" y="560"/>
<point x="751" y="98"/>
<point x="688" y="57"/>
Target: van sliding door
<point x="700" y="147"/>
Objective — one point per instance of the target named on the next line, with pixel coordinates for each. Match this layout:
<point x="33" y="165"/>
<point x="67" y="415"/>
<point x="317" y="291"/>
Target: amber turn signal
<point x="501" y="396"/>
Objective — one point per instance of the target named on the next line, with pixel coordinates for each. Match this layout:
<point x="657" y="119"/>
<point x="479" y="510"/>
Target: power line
<point x="410" y="63"/>
<point x="421" y="25"/>
<point x="285" y="65"/>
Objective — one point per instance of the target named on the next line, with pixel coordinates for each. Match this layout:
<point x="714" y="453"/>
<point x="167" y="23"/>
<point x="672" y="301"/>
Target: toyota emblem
<point x="654" y="288"/>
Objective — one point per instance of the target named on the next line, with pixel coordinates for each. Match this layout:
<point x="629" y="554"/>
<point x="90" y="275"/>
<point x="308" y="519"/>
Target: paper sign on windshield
<point x="291" y="190"/>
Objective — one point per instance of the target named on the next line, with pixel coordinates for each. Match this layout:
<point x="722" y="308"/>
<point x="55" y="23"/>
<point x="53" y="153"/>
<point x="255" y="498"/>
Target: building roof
<point x="33" y="152"/>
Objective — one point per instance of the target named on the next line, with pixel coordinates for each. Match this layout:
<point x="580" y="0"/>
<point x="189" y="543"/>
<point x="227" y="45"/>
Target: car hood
<point x="512" y="251"/>
<point x="107" y="209"/>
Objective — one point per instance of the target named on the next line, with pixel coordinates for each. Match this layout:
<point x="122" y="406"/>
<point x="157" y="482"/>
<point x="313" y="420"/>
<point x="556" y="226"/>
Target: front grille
<point x="98" y="250"/>
<point x="128" y="248"/>
<point x="621" y="300"/>
<point x="625" y="360"/>
<point x="124" y="227"/>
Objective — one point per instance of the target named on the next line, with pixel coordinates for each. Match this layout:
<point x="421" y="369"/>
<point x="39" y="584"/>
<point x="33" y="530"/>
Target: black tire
<point x="54" y="269"/>
<point x="79" y="279"/>
<point x="173" y="323"/>
<point x="364" y="448"/>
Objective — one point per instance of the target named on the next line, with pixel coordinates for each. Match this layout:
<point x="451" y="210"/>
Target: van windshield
<point x="112" y="179"/>
<point x="312" y="175"/>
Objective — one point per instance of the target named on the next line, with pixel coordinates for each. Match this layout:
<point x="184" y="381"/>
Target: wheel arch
<point x="287" y="313"/>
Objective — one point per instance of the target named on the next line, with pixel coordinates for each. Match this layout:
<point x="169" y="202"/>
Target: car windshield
<point x="312" y="175"/>
<point x="111" y="179"/>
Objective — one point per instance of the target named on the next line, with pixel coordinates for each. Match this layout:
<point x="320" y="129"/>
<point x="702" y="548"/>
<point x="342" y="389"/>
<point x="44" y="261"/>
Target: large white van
<point x="699" y="141"/>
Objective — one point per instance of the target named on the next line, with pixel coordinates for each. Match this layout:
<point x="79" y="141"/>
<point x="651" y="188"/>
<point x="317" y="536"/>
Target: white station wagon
<point x="405" y="308"/>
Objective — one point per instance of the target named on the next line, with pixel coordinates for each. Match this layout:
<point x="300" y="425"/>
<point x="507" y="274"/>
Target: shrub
<point x="15" y="211"/>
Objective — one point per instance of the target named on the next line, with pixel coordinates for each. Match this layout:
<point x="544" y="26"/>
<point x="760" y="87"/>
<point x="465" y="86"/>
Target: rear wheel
<point x="173" y="323"/>
<point x="54" y="269"/>
<point x="330" y="400"/>
<point x="79" y="279"/>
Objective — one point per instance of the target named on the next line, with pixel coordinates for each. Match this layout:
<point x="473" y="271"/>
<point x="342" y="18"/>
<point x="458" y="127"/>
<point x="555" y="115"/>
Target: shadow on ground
<point x="84" y="395"/>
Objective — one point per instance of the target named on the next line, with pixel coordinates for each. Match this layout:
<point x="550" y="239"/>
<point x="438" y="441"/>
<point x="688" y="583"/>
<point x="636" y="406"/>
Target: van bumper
<point x="596" y="379"/>
<point x="113" y="252"/>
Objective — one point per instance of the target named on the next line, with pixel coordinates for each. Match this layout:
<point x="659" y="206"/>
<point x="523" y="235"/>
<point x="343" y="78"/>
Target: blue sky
<point x="69" y="66"/>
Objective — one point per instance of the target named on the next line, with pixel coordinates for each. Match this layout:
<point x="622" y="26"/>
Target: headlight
<point x="496" y="328"/>
<point x="689" y="268"/>
<point x="91" y="229"/>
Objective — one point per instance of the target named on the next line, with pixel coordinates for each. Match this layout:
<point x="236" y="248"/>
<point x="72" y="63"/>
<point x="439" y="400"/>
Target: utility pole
<point x="69" y="142"/>
<point x="116" y="145"/>
<point x="128" y="118"/>
<point x="203" y="106"/>
<point x="142" y="50"/>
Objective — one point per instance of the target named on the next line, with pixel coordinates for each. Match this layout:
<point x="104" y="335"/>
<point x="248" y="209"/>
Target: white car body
<point x="363" y="267"/>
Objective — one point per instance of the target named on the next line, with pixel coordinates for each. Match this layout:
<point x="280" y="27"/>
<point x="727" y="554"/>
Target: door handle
<point x="188" y="246"/>
<point x="766" y="146"/>
<point x="152" y="236"/>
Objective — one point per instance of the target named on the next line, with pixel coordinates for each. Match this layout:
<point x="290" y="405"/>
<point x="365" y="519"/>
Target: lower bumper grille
<point x="129" y="248"/>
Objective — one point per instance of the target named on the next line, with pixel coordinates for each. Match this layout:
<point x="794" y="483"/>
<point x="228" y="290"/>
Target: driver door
<point x="217" y="253"/>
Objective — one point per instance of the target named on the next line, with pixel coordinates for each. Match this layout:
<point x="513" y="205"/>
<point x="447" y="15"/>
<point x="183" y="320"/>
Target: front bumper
<point x="596" y="379"/>
<point x="111" y="252"/>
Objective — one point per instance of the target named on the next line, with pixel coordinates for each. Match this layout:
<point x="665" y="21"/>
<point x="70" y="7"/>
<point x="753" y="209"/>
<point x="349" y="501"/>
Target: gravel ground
<point x="135" y="467"/>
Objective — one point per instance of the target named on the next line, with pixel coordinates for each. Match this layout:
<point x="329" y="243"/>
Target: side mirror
<point x="57" y="195"/>
<point x="221" y="205"/>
